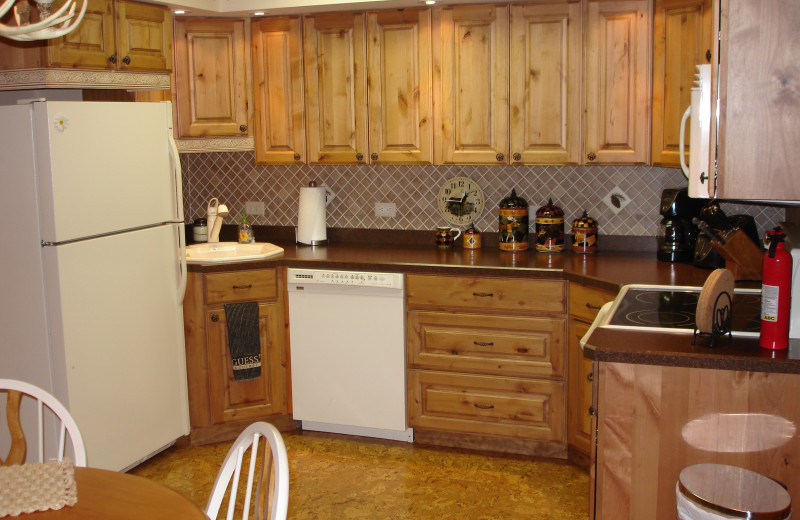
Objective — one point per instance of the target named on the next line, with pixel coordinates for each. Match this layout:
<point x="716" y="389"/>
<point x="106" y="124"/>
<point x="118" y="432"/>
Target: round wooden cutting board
<point x="718" y="282"/>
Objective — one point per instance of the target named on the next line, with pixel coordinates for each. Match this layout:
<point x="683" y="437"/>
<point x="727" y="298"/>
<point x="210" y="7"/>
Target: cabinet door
<point x="617" y="82"/>
<point x="399" y="82"/>
<point x="681" y="41"/>
<point x="545" y="89"/>
<point x="212" y="77"/>
<point x="278" y="91"/>
<point x="758" y="135"/>
<point x="91" y="44"/>
<point x="471" y="84"/>
<point x="336" y="88"/>
<point x="144" y="37"/>
<point x="232" y="400"/>
<point x="579" y="427"/>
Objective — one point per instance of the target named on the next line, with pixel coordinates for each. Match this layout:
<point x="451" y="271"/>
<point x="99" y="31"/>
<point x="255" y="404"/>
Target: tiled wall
<point x="234" y="178"/>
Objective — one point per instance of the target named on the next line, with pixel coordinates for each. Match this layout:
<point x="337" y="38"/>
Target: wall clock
<point x="460" y="201"/>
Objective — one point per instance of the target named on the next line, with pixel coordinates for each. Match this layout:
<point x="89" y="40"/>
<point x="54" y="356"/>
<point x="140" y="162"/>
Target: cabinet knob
<point x="297" y="157"/>
<point x="591" y="156"/>
<point x="500" y="157"/>
<point x="595" y="307"/>
<point x="703" y="178"/>
<point x="243" y="128"/>
<point x="590" y="376"/>
<point x="591" y="410"/>
<point x="708" y="55"/>
<point x="359" y="157"/>
<point x="374" y="157"/>
<point x="112" y="58"/>
<point x="517" y="156"/>
<point x="126" y="60"/>
<point x="215" y="318"/>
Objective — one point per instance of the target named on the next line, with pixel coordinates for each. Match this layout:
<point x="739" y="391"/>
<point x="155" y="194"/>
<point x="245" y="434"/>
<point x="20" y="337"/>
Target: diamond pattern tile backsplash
<point x="234" y="178"/>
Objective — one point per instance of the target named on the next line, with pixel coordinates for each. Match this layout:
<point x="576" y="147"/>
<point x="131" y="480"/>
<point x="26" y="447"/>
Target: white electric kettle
<point x="312" y="214"/>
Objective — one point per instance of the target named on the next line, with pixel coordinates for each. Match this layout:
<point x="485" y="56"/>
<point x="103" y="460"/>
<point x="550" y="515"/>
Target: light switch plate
<point x="254" y="208"/>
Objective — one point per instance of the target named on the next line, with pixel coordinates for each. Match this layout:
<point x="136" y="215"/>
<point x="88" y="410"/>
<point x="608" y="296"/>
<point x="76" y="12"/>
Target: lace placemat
<point x="25" y="488"/>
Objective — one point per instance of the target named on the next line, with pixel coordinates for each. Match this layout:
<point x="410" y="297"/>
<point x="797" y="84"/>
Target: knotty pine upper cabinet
<point x="212" y="75"/>
<point x="758" y="135"/>
<point x="334" y="50"/>
<point x="545" y="89"/>
<point x="399" y="86"/>
<point x="279" y="113"/>
<point x="682" y="35"/>
<point x="470" y="78"/>
<point x="113" y="35"/>
<point x="617" y="71"/>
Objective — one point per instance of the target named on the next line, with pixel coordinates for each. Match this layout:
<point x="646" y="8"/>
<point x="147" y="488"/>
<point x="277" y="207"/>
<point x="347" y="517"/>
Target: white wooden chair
<point x="16" y="391"/>
<point x="272" y="487"/>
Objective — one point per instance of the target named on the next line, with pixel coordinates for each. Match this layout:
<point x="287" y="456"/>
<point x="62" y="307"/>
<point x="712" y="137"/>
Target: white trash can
<point x="718" y="491"/>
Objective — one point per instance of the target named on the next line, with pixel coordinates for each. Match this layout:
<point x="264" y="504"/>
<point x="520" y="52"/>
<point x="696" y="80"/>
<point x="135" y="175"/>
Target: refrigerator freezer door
<point x="102" y="168"/>
<point x="120" y="368"/>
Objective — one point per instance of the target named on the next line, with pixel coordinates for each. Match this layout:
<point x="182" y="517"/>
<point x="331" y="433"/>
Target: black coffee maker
<point x="677" y="234"/>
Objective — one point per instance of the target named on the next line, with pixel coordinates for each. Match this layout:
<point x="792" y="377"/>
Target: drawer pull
<point x="483" y="406"/>
<point x="248" y="286"/>
<point x="483" y="294"/>
<point x="215" y="318"/>
<point x="595" y="307"/>
<point x="483" y="343"/>
<point x="590" y="376"/>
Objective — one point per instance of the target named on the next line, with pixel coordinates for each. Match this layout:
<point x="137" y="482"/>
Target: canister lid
<point x="584" y="221"/>
<point x="550" y="210"/>
<point x="735" y="491"/>
<point x="512" y="201"/>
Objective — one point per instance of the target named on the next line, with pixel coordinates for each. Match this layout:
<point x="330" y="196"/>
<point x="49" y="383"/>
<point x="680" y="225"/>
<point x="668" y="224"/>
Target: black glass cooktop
<point x="675" y="309"/>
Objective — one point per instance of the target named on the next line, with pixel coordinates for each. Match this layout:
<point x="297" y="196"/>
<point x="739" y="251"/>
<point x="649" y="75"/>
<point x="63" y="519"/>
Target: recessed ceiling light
<point x="179" y="11"/>
<point x="259" y="13"/>
<point x="430" y="2"/>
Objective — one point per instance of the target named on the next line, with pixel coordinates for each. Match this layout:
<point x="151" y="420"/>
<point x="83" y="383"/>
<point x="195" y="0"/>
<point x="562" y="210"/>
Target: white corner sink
<point x="223" y="252"/>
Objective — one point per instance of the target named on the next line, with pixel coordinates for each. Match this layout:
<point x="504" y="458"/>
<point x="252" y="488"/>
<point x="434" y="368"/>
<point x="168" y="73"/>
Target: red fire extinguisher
<point x="776" y="292"/>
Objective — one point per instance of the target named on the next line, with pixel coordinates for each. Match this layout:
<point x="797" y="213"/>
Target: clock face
<point x="460" y="201"/>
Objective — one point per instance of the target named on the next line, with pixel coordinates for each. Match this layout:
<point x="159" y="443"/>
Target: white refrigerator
<point x="93" y="272"/>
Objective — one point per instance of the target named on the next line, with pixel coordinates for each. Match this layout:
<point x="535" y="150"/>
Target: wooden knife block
<point x="742" y="257"/>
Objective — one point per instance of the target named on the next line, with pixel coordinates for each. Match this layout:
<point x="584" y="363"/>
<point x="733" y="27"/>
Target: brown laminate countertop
<point x="605" y="269"/>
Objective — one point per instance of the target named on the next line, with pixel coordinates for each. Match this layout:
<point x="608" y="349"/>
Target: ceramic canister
<point x="513" y="223"/>
<point x="549" y="228"/>
<point x="584" y="234"/>
<point x="472" y="238"/>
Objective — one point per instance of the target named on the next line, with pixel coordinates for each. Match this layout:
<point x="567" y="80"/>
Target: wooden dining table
<point x="108" y="494"/>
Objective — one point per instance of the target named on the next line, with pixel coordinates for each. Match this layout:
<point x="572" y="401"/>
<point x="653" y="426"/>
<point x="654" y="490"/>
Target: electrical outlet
<point x="385" y="209"/>
<point x="254" y="208"/>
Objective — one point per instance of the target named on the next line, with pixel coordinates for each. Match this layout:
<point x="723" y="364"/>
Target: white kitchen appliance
<point x="312" y="214"/>
<point x="698" y="171"/>
<point x="348" y="352"/>
<point x="93" y="270"/>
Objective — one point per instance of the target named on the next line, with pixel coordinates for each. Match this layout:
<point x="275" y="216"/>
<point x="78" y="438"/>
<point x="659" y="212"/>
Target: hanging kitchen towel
<point x="244" y="342"/>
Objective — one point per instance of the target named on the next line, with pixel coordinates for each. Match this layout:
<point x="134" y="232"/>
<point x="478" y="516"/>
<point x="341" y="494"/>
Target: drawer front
<point x="585" y="301"/>
<point x="486" y="344"/>
<point x="485" y="405"/>
<point x="487" y="294"/>
<point x="241" y="286"/>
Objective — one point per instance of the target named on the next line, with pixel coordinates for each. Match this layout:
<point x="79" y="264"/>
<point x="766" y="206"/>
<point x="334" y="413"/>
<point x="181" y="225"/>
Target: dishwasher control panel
<point x="352" y="278"/>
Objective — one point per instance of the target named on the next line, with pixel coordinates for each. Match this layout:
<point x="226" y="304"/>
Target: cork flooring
<point x="344" y="477"/>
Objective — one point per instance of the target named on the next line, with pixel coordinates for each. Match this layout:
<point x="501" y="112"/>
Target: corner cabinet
<point x="617" y="78"/>
<point x="218" y="404"/>
<point x="212" y="78"/>
<point x="584" y="304"/>
<point x="758" y="136"/>
<point x="486" y="363"/>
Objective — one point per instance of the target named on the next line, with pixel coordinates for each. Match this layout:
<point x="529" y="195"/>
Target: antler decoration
<point x="44" y="29"/>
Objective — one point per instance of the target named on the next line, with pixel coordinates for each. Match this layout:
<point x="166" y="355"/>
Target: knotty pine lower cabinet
<point x="219" y="406"/>
<point x="653" y="421"/>
<point x="487" y="363"/>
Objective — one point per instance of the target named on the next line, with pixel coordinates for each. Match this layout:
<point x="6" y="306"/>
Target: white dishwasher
<point x="347" y="338"/>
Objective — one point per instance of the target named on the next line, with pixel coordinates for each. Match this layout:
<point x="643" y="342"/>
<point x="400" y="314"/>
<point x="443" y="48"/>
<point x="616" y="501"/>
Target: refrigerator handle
<point x="182" y="250"/>
<point x="176" y="163"/>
